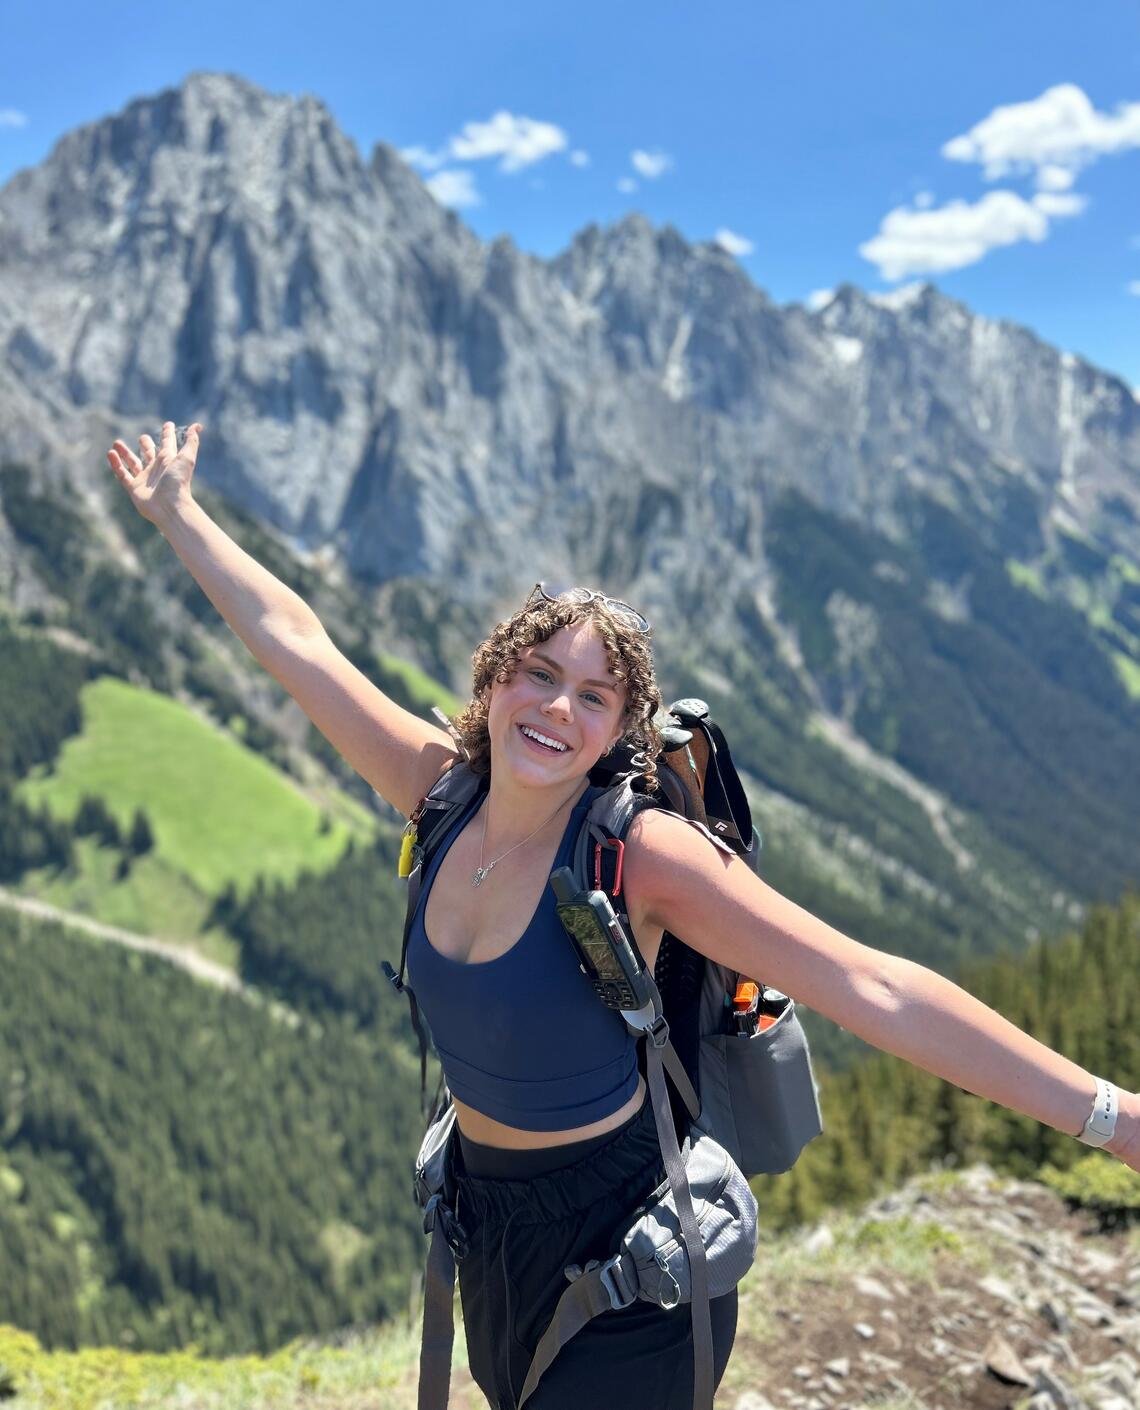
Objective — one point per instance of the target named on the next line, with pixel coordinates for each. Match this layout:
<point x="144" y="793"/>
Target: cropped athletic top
<point x="523" y="1038"/>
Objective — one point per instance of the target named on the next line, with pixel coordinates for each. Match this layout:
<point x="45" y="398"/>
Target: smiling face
<point x="620" y="674"/>
<point x="562" y="689"/>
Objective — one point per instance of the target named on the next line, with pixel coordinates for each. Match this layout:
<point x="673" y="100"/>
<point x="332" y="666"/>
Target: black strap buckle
<point x="455" y="1235"/>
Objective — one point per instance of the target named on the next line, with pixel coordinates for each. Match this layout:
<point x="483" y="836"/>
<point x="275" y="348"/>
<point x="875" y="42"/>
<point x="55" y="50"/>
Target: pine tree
<point x="140" y="838"/>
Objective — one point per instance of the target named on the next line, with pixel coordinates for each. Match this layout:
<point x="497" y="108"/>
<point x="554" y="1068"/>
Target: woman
<point x="556" y="1141"/>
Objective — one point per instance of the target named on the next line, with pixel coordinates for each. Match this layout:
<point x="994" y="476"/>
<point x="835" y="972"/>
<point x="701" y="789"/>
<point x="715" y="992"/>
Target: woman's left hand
<point x="1125" y="1144"/>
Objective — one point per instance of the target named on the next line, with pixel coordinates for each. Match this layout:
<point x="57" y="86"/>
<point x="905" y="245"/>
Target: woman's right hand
<point x="161" y="478"/>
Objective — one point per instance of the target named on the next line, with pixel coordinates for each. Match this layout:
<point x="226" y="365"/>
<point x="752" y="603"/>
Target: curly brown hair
<point x="630" y="661"/>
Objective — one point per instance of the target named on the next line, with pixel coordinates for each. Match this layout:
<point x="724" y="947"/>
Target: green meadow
<point x="423" y="690"/>
<point x="219" y="812"/>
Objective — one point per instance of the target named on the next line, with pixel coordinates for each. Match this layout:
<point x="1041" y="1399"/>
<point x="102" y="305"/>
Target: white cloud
<point x="626" y="185"/>
<point x="651" y="165"/>
<point x="924" y="200"/>
<point x="424" y="158"/>
<point x="952" y="236"/>
<point x="819" y="298"/>
<point x="1134" y="287"/>
<point x="1054" y="178"/>
<point x="579" y="158"/>
<point x="517" y="141"/>
<point x="1060" y="203"/>
<point x="1060" y="128"/>
<point x="454" y="189"/>
<point x="734" y="244"/>
<point x="13" y="117"/>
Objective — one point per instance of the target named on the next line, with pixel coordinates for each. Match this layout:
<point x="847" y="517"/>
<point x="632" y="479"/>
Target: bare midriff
<point x="488" y="1132"/>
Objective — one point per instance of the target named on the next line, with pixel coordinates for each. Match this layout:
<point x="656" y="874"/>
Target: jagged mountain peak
<point x="911" y="304"/>
<point x="214" y="142"/>
<point x="644" y="277"/>
<point x="635" y="243"/>
<point x="375" y="374"/>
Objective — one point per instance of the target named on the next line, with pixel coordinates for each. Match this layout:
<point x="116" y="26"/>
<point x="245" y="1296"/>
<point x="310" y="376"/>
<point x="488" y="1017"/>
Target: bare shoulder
<point x="711" y="899"/>
<point x="666" y="855"/>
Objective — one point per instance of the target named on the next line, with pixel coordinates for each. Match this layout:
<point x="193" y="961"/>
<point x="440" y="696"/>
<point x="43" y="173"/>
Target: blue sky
<point x="991" y="147"/>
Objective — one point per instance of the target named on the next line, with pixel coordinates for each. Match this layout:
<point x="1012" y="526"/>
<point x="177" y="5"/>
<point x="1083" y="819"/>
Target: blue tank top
<point x="523" y="1038"/>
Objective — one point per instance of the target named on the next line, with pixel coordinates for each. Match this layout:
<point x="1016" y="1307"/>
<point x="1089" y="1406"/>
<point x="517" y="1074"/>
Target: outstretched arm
<point x="720" y="907"/>
<point x="399" y="754"/>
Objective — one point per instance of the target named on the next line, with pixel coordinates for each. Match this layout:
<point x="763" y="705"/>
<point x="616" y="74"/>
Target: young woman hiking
<point x="556" y="1142"/>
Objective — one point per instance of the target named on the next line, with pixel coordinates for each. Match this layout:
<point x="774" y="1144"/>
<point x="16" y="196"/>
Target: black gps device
<point x="607" y="957"/>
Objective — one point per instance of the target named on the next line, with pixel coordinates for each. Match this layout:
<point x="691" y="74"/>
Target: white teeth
<point x="542" y="739"/>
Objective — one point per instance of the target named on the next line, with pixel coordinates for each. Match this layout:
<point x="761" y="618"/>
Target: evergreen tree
<point x="93" y="818"/>
<point x="141" y="838"/>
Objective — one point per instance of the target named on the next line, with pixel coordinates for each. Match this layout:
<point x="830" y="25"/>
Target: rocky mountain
<point x="446" y="420"/>
<point x="372" y="375"/>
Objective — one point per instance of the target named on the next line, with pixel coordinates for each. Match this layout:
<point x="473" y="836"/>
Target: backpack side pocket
<point x="758" y="1094"/>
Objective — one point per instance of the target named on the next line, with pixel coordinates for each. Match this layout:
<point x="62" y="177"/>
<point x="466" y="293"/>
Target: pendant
<point x="478" y="875"/>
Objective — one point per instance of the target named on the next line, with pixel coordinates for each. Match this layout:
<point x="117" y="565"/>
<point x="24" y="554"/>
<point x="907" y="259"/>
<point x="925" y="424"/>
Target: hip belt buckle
<point x="453" y="1231"/>
<point x="612" y="1276"/>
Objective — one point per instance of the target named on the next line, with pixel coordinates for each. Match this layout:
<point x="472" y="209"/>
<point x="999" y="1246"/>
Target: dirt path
<point x="208" y="971"/>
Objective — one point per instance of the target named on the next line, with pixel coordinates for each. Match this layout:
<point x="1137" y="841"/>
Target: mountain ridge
<point x="260" y="225"/>
<point x="432" y="422"/>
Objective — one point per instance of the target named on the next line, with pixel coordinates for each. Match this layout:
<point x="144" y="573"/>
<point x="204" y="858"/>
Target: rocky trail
<point x="1035" y="1307"/>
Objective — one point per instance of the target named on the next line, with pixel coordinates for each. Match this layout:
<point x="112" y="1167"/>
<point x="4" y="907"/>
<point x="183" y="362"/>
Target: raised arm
<point x="399" y="754"/>
<point x="717" y="905"/>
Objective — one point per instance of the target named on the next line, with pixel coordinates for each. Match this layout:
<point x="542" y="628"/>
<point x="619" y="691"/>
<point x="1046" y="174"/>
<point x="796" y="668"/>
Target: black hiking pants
<point x="530" y="1213"/>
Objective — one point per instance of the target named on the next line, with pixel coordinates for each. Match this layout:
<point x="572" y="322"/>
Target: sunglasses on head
<point x="584" y="595"/>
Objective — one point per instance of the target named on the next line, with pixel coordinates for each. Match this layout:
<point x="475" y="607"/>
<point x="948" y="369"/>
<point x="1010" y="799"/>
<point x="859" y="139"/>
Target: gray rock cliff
<point x="374" y="377"/>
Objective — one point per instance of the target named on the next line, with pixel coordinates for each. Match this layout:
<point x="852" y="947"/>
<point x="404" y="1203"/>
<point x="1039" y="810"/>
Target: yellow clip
<point x="404" y="867"/>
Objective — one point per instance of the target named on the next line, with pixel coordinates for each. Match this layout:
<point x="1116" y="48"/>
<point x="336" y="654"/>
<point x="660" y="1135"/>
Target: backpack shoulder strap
<point x="596" y="864"/>
<point x="427" y="827"/>
<point x="680" y="972"/>
<point x="597" y="855"/>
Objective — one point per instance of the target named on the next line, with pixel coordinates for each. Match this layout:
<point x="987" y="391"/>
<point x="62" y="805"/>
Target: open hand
<point x="162" y="476"/>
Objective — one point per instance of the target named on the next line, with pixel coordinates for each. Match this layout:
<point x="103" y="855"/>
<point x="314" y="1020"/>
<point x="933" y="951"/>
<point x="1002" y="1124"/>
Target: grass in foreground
<point x="370" y="1368"/>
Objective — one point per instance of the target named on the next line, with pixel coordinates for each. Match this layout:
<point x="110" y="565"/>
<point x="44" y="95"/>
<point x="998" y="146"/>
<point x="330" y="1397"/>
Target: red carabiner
<point x="619" y="847"/>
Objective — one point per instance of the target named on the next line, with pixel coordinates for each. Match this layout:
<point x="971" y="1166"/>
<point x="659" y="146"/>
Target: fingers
<point x="127" y="464"/>
<point x="126" y="456"/>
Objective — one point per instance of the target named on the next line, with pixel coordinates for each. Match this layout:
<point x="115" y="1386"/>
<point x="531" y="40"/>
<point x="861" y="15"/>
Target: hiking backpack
<point x="747" y="1100"/>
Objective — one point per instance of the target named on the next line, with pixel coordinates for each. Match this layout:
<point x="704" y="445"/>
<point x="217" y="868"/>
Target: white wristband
<point x="1100" y="1127"/>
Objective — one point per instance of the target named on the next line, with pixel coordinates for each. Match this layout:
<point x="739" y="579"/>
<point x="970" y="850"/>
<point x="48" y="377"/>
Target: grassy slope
<point x="423" y="690"/>
<point x="795" y="1299"/>
<point x="219" y="812"/>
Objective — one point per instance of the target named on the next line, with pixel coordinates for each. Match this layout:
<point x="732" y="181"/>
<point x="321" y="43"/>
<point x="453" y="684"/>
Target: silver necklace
<point x="479" y="875"/>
